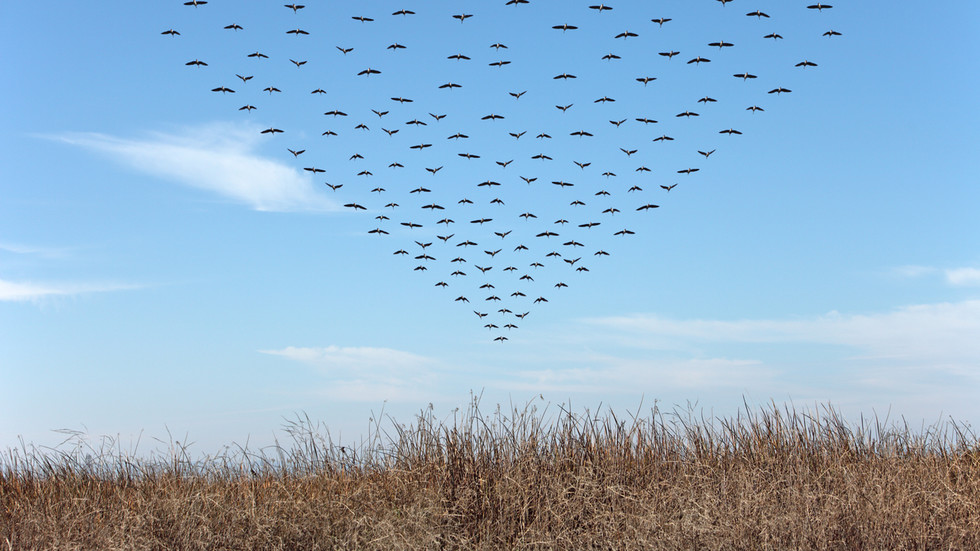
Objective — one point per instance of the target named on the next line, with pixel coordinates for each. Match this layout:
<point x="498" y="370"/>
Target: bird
<point x="806" y="64"/>
<point x="779" y="90"/>
<point x="628" y="152"/>
<point x="271" y="89"/>
<point x="564" y="76"/>
<point x="492" y="117"/>
<point x="744" y="76"/>
<point x="517" y="95"/>
<point x="355" y="206"/>
<point x="754" y="108"/>
<point x="369" y="71"/>
<point x="319" y="91"/>
<point x="197" y="63"/>
<point x="396" y="46"/>
<point x="648" y="206"/>
<point x="668" y="55"/>
<point x="646" y="80"/>
<point x="645" y="120"/>
<point x="295" y="7"/>
<point x="297" y="32"/>
<point x="463" y="16"/>
<point x="830" y="33"/>
<point x="258" y="55"/>
<point x="247" y="108"/>
<point x="687" y="114"/>
<point x="688" y="170"/>
<point x="458" y="57"/>
<point x="223" y="90"/>
<point x="171" y="32"/>
<point x="668" y="188"/>
<point x="565" y="27"/>
<point x="362" y="19"/>
<point x="721" y="44"/>
<point x="404" y="12"/>
<point x="663" y="138"/>
<point x="698" y="60"/>
<point x="758" y="13"/>
<point x="234" y="27"/>
<point x="661" y="20"/>
<point x="626" y="34"/>
<point x="730" y="131"/>
<point x="345" y="51"/>
<point x="774" y="36"/>
<point x="195" y="3"/>
<point x="610" y="56"/>
<point x="499" y="63"/>
<point x="600" y="7"/>
<point x="625" y="231"/>
<point x="450" y="85"/>
<point x="706" y="153"/>
<point x="706" y="100"/>
<point x="818" y="6"/>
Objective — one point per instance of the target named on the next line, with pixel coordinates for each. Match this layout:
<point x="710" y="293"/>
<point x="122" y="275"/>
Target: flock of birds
<point x="523" y="212"/>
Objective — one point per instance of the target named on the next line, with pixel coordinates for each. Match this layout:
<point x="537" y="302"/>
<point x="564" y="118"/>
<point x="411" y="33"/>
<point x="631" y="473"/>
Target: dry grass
<point x="520" y="479"/>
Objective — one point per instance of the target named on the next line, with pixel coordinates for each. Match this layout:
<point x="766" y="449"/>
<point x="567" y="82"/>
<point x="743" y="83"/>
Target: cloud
<point x="219" y="158"/>
<point x="351" y="358"/>
<point x="11" y="291"/>
<point x="367" y="374"/>
<point x="963" y="277"/>
<point x="613" y="374"/>
<point x="957" y="277"/>
<point x="30" y="250"/>
<point x="929" y="332"/>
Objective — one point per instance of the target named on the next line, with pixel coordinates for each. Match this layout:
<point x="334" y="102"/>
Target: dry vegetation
<point x="523" y="479"/>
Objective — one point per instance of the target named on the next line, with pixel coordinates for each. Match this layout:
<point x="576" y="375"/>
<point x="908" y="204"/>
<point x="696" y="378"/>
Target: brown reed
<point x="518" y="478"/>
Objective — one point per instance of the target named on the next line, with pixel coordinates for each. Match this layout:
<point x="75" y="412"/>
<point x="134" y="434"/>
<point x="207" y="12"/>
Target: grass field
<point x="523" y="478"/>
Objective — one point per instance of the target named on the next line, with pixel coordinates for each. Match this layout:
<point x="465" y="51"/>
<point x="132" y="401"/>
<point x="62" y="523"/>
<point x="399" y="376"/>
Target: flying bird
<point x="234" y="27"/>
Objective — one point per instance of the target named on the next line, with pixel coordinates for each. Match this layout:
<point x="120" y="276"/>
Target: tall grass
<point x="517" y="478"/>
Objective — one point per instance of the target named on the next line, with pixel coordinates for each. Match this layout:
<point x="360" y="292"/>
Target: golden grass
<point x="521" y="479"/>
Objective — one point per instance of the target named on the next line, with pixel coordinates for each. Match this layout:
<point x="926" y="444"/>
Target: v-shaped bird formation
<point x="505" y="149"/>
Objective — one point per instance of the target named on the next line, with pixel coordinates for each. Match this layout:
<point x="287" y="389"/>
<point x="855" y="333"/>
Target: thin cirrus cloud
<point x="957" y="277"/>
<point x="366" y="374"/>
<point x="219" y="158"/>
<point x="936" y="334"/>
<point x="12" y="291"/>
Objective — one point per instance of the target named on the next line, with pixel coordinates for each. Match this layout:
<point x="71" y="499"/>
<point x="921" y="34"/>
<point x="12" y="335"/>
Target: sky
<point x="168" y="268"/>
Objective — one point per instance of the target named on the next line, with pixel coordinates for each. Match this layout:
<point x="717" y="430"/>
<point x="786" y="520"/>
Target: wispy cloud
<point x="957" y="277"/>
<point x="929" y="332"/>
<point x="11" y="291"/>
<point x="33" y="250"/>
<point x="963" y="277"/>
<point x="220" y="158"/>
<point x="367" y="374"/>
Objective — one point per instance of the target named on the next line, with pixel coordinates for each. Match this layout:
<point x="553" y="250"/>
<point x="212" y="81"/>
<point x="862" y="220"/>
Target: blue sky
<point x="165" y="265"/>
